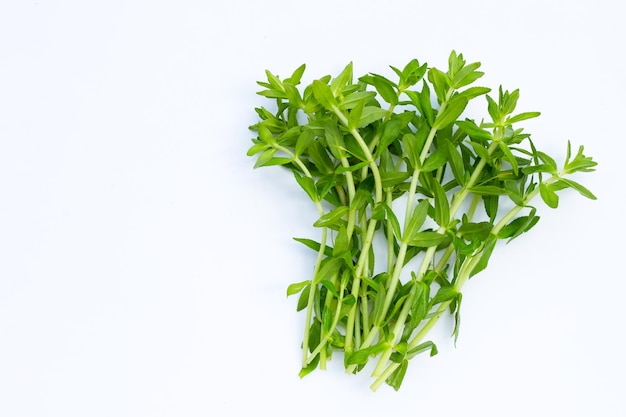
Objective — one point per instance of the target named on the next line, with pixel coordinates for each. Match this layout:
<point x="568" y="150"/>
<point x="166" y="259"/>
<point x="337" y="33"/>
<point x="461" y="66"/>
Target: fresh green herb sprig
<point x="360" y="149"/>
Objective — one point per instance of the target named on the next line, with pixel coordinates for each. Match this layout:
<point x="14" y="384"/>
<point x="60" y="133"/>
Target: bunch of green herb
<point x="396" y="158"/>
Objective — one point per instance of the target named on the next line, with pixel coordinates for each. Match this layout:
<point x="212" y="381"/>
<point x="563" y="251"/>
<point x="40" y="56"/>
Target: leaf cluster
<point x="359" y="147"/>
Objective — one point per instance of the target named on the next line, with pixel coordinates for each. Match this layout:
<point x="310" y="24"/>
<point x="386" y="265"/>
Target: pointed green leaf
<point x="409" y="141"/>
<point x="475" y="132"/>
<point x="303" y="300"/>
<point x="578" y="187"/>
<point x="417" y="220"/>
<point x="421" y="303"/>
<point x="391" y="217"/>
<point x="485" y="254"/>
<point x="342" y="80"/>
<point x="330" y="267"/>
<point x="397" y="376"/>
<point x="315" y="246"/>
<point x="385" y="88"/>
<point x="330" y="287"/>
<point x="548" y="196"/>
<point x="426" y="239"/>
<point x="456" y="162"/>
<point x="297" y="287"/>
<point x="440" y="82"/>
<point x="358" y="97"/>
<point x="324" y="95"/>
<point x="475" y="231"/>
<point x="371" y="114"/>
<point x="509" y="156"/>
<point x="342" y="241"/>
<point x="361" y="356"/>
<point x="442" y="206"/>
<point x="444" y="294"/>
<point x="332" y="218"/>
<point x="453" y="110"/>
<point x="435" y="160"/>
<point x="523" y="116"/>
<point x="308" y="185"/>
<point x="487" y="190"/>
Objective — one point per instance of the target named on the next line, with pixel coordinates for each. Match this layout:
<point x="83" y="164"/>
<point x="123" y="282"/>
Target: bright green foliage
<point x="360" y="148"/>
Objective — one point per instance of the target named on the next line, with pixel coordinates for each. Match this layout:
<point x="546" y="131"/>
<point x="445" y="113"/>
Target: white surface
<point x="143" y="262"/>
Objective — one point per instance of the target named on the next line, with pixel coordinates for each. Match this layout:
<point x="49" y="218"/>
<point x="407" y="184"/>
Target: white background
<point x="143" y="262"/>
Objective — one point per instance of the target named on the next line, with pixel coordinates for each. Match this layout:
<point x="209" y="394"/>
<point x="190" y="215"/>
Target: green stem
<point x="361" y="263"/>
<point x="318" y="262"/>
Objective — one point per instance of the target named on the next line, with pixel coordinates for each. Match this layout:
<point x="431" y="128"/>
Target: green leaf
<point x="548" y="196"/>
<point x="385" y="88"/>
<point x="475" y="231"/>
<point x="395" y="224"/>
<point x="320" y="157"/>
<point x="330" y="267"/>
<point x="453" y="110"/>
<point x="297" y="287"/>
<point x="392" y="178"/>
<point x="303" y="300"/>
<point x="466" y="75"/>
<point x="274" y="81"/>
<point x="324" y="95"/>
<point x="481" y="151"/>
<point x="421" y="303"/>
<point x="487" y="190"/>
<point x="311" y="244"/>
<point x="440" y="82"/>
<point x="442" y="207"/>
<point x="265" y="157"/>
<point x="538" y="168"/>
<point x="327" y="320"/>
<point x="308" y="185"/>
<point x="474" y="92"/>
<point x="355" y="115"/>
<point x="456" y="162"/>
<point x="342" y="241"/>
<point x="361" y="356"/>
<point x="310" y="367"/>
<point x="422" y="347"/>
<point x="371" y="114"/>
<point x="417" y="220"/>
<point x="397" y="376"/>
<point x="330" y="287"/>
<point x="409" y="141"/>
<point x="548" y="160"/>
<point x="523" y="116"/>
<point x="335" y="139"/>
<point x="297" y="75"/>
<point x="353" y="147"/>
<point x="518" y="226"/>
<point x="357" y="98"/>
<point x="435" y="160"/>
<point x="426" y="239"/>
<point x="494" y="110"/>
<point x="485" y="254"/>
<point x="475" y="132"/>
<point x="391" y="131"/>
<point x="444" y="294"/>
<point x="342" y="80"/>
<point x="580" y="163"/>
<point x="331" y="218"/>
<point x="457" y="318"/>
<point x="303" y="142"/>
<point x="342" y="170"/>
<point x="578" y="187"/>
<point x="509" y="156"/>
